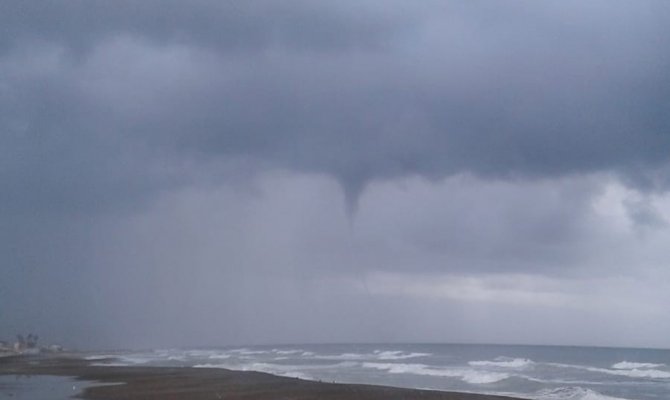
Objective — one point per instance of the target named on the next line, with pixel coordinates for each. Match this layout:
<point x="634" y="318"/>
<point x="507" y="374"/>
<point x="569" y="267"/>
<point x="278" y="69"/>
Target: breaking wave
<point x="631" y="373"/>
<point x="466" y="375"/>
<point x="635" y="365"/>
<point x="503" y="362"/>
<point x="219" y="356"/>
<point x="287" y="352"/>
<point x="117" y="361"/>
<point x="275" y="369"/>
<point x="572" y="393"/>
<point x="291" y="371"/>
<point x="635" y="373"/>
<point x="376" y="355"/>
<point x="397" y="355"/>
<point x="520" y="376"/>
<point x="343" y="356"/>
<point x="248" y="352"/>
<point x="99" y="357"/>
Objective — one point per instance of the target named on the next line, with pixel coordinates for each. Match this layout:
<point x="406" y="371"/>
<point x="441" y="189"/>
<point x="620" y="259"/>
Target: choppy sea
<point x="532" y="372"/>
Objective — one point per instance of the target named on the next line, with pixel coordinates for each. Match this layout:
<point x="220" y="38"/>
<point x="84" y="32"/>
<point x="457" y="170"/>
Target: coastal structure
<point x="26" y="345"/>
<point x="5" y="348"/>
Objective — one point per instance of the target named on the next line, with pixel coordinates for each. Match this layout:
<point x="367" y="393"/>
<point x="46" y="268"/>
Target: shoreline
<point x="181" y="383"/>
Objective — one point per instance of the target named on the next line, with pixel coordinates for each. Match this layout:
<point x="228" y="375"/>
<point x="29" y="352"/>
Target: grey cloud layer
<point x="352" y="90"/>
<point x="482" y="131"/>
<point x="226" y="26"/>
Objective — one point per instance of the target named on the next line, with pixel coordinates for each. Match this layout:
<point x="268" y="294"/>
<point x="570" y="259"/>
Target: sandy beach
<point x="207" y="383"/>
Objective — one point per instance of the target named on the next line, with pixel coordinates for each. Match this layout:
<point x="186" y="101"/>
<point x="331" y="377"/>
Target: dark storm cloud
<point x="128" y="128"/>
<point x="227" y="26"/>
<point x="359" y="91"/>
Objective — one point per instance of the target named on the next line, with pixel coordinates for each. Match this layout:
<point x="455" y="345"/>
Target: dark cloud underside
<point x="150" y="144"/>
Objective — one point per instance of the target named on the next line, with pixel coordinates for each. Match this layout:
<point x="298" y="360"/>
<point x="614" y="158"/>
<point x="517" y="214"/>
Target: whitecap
<point x="120" y="361"/>
<point x="631" y="373"/>
<point x="572" y="393"/>
<point x="200" y="353"/>
<point x="636" y="373"/>
<point x="635" y="365"/>
<point x="294" y="371"/>
<point x="99" y="357"/>
<point x="134" y="360"/>
<point x="397" y="355"/>
<point x="376" y="355"/>
<point x="503" y="362"/>
<point x="248" y="352"/>
<point x="219" y="356"/>
<point x="466" y="375"/>
<point x="478" y="377"/>
<point x="287" y="352"/>
<point x="209" y="365"/>
<point x="344" y="356"/>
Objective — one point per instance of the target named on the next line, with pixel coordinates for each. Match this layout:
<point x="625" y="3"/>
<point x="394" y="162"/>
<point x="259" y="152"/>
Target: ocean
<point x="532" y="372"/>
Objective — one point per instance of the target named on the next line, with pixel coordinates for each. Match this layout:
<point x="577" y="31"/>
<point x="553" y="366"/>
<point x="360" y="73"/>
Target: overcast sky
<point x="181" y="173"/>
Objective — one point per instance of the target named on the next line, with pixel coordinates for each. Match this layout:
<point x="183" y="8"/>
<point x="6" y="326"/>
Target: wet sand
<point x="208" y="383"/>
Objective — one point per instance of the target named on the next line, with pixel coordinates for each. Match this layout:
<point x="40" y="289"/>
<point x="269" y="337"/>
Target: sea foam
<point x="118" y="361"/>
<point x="397" y="355"/>
<point x="503" y="362"/>
<point x="376" y="355"/>
<point x="287" y="352"/>
<point x="635" y="365"/>
<point x="99" y="357"/>
<point x="631" y="373"/>
<point x="572" y="393"/>
<point x="288" y="371"/>
<point x="636" y="373"/>
<point x="466" y="375"/>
